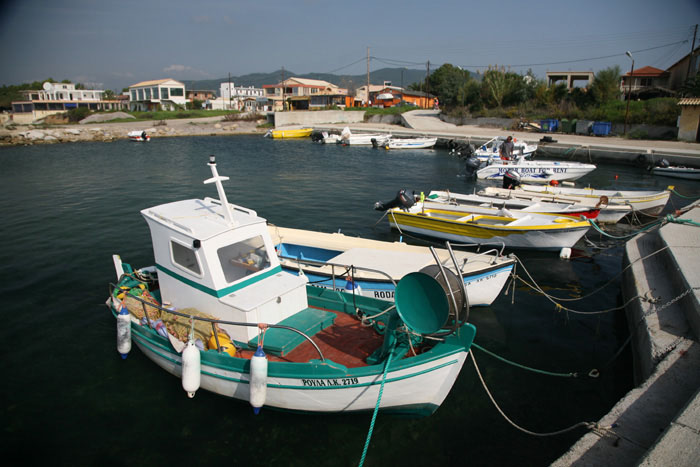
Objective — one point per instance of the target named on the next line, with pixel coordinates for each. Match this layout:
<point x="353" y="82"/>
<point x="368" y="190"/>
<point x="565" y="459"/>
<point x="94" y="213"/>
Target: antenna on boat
<point x="216" y="178"/>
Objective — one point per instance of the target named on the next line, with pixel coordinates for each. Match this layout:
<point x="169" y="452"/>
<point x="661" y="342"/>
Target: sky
<point x="113" y="44"/>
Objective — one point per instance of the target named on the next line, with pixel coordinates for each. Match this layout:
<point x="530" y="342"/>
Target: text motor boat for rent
<point x="408" y="143"/>
<point x="372" y="267"/>
<point x="218" y="311"/>
<point x="139" y="136"/>
<point x="491" y="149"/>
<point x="646" y="202"/>
<point x="513" y="229"/>
<point x="474" y="200"/>
<point x="347" y="137"/>
<point x="537" y="171"/>
<point x="663" y="168"/>
<point x="289" y="133"/>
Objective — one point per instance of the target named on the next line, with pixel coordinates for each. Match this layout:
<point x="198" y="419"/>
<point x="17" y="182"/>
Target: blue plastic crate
<point x="601" y="128"/>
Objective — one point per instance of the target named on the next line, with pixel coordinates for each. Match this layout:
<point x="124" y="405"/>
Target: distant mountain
<point x="257" y="80"/>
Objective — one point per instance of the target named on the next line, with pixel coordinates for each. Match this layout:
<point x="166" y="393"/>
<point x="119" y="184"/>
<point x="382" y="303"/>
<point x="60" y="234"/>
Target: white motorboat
<point x="646" y="202"/>
<point x="409" y="143"/>
<point x="538" y="171"/>
<point x="362" y="139"/>
<point x="491" y="149"/>
<point x="686" y="173"/>
<point x="476" y="200"/>
<point x="609" y="213"/>
<point x="139" y="136"/>
<point x="373" y="267"/>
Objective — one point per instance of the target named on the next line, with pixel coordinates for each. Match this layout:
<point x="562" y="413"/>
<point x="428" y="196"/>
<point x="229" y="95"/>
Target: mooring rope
<point x="682" y="196"/>
<point x="376" y="407"/>
<point x="593" y="373"/>
<point x="588" y="425"/>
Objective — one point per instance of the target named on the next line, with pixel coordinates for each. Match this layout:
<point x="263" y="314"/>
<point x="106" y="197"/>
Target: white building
<point x="240" y="97"/>
<point x="161" y="94"/>
<point x="55" y="98"/>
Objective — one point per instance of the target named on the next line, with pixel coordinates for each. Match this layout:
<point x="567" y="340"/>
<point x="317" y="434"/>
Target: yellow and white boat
<point x="289" y="133"/>
<point x="514" y="229"/>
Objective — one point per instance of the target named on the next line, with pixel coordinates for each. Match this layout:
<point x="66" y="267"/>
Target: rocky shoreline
<point x="20" y="135"/>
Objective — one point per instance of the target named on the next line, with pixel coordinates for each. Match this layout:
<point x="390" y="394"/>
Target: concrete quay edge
<point x="657" y="423"/>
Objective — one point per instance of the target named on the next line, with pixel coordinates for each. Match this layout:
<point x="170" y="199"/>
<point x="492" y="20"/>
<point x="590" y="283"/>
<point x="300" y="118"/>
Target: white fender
<point x="123" y="330"/>
<point x="258" y="379"/>
<point x="191" y="368"/>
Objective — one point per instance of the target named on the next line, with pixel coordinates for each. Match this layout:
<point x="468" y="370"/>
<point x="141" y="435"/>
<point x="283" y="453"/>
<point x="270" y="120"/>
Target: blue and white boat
<point x="218" y="311"/>
<point x="491" y="149"/>
<point x="372" y="267"/>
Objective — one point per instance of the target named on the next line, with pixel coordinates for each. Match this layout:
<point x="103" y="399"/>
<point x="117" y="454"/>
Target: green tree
<point x="691" y="88"/>
<point x="606" y="85"/>
<point x="108" y="95"/>
<point x="449" y="84"/>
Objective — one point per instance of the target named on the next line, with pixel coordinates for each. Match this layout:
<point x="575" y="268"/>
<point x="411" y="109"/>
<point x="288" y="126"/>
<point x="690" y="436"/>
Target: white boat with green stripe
<point x="217" y="311"/>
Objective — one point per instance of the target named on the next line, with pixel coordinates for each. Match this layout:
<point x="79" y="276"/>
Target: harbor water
<point x="69" y="399"/>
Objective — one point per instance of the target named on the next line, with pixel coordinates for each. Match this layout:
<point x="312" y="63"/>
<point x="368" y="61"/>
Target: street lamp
<point x="629" y="88"/>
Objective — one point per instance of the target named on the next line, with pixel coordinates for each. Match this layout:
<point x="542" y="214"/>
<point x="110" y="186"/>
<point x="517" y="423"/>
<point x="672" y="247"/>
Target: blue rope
<point x="376" y="407"/>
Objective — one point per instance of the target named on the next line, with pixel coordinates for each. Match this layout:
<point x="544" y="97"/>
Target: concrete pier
<point x="658" y="422"/>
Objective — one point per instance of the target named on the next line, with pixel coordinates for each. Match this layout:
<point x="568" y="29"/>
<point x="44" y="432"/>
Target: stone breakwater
<point x="106" y="132"/>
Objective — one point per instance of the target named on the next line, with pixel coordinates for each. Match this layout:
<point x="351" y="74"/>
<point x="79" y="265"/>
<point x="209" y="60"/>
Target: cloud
<point x="184" y="69"/>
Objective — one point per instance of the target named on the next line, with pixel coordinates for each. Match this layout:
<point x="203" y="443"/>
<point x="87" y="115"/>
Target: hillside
<point x="344" y="81"/>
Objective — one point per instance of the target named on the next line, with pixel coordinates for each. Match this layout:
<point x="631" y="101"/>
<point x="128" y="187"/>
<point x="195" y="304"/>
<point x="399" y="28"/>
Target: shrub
<point x="75" y="115"/>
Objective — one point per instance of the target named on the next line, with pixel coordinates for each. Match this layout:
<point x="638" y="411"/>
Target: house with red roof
<point x="645" y="83"/>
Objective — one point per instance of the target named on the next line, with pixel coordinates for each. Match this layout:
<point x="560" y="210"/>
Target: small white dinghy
<point x="362" y="139"/>
<point x="410" y="143"/>
<point x="139" y="136"/>
<point x="664" y="169"/>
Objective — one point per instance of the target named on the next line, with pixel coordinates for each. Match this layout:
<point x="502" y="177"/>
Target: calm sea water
<point x="68" y="398"/>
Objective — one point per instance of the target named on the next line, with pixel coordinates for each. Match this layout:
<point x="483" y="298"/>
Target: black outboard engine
<point x="511" y="179"/>
<point x="471" y="165"/>
<point x="375" y="144"/>
<point x="316" y="136"/>
<point x="663" y="163"/>
<point x="402" y="200"/>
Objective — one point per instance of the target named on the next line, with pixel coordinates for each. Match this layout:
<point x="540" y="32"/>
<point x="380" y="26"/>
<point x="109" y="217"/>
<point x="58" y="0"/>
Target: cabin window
<point x="243" y="258"/>
<point x="185" y="257"/>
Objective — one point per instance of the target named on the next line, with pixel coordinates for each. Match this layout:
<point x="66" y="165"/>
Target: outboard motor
<point x="471" y="165"/>
<point x="511" y="179"/>
<point x="402" y="200"/>
<point x="375" y="144"/>
<point x="316" y="136"/>
<point x="663" y="163"/>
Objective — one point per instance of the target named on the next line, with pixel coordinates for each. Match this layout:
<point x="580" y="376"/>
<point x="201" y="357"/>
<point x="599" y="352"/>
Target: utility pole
<point x="283" y="89"/>
<point x="690" y="57"/>
<point x="367" y="76"/>
<point x="229" y="91"/>
<point x="427" y="83"/>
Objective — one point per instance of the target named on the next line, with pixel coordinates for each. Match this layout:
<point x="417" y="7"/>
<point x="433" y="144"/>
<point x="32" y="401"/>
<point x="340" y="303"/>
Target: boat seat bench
<point x="282" y="341"/>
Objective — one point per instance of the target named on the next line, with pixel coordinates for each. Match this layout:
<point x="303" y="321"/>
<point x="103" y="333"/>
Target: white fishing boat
<point x="410" y="143"/>
<point x="646" y="202"/>
<point x="139" y="136"/>
<point x="491" y="149"/>
<point x="608" y="213"/>
<point x="362" y="139"/>
<point x="537" y="171"/>
<point x="513" y="229"/>
<point x="218" y="312"/>
<point x="373" y="267"/>
<point x="474" y="200"/>
<point x="323" y="137"/>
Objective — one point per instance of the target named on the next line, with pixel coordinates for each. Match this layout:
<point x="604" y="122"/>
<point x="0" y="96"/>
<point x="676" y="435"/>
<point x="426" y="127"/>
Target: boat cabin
<point x="215" y="256"/>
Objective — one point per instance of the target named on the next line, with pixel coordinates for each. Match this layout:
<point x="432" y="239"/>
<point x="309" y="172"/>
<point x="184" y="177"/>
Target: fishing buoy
<point x="616" y="176"/>
<point x="554" y="183"/>
<point x="352" y="287"/>
<point x="123" y="331"/>
<point x="565" y="253"/>
<point x="191" y="369"/>
<point x="225" y="344"/>
<point x="258" y="379"/>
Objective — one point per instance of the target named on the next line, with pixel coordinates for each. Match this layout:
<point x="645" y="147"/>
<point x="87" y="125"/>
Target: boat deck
<point x="346" y="342"/>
